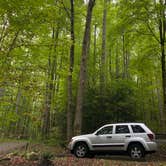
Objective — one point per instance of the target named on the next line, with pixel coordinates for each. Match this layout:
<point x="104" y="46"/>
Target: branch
<point x="143" y="33"/>
<point x="66" y="9"/>
<point x="152" y="32"/>
<point x="13" y="43"/>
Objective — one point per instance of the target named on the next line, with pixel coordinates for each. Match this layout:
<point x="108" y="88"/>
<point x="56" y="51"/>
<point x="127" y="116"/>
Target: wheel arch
<point x="79" y="142"/>
<point x="135" y="142"/>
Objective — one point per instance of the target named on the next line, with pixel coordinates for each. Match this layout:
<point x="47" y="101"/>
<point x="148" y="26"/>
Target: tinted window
<point x="105" y="130"/>
<point x="120" y="129"/>
<point x="137" y="129"/>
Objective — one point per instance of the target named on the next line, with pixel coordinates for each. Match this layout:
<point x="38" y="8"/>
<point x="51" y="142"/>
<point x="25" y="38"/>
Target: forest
<point x="69" y="67"/>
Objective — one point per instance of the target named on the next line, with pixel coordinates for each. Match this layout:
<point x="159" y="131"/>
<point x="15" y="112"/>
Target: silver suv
<point x="134" y="138"/>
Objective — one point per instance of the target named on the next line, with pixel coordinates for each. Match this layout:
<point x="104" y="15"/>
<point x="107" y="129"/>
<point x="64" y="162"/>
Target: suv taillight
<point x="151" y="136"/>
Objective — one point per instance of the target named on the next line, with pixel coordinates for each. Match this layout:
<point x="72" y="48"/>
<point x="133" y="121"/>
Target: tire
<point x="81" y="150"/>
<point x="136" y="151"/>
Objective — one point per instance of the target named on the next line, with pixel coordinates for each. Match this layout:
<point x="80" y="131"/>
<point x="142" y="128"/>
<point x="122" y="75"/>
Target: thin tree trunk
<point x="94" y="54"/>
<point x="13" y="43"/>
<point x="117" y="63"/>
<point x="83" y="68"/>
<point x="18" y="98"/>
<point x="50" y="86"/>
<point x="46" y="115"/>
<point x="160" y="102"/>
<point x="127" y="63"/>
<point x="143" y="113"/>
<point x="103" y="56"/>
<point x="125" y="58"/>
<point x="69" y="104"/>
<point x="152" y="103"/>
<point x="110" y="63"/>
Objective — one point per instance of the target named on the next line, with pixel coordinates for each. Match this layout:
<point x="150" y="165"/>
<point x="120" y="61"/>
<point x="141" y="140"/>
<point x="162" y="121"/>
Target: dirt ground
<point x="61" y="157"/>
<point x="7" y="147"/>
<point x="97" y="161"/>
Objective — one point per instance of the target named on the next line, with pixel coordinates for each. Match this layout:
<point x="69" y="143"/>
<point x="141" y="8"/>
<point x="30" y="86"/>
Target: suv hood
<point x="81" y="136"/>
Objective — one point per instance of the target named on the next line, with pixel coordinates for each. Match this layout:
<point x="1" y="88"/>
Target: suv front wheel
<point x="81" y="150"/>
<point x="136" y="151"/>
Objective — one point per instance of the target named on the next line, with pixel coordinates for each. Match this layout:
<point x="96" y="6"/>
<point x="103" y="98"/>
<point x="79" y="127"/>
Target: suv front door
<point x="103" y="139"/>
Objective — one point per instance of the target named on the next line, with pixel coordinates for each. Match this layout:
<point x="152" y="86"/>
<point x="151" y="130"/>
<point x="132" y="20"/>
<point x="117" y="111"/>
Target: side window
<point x="122" y="129"/>
<point x="137" y="129"/>
<point x="105" y="130"/>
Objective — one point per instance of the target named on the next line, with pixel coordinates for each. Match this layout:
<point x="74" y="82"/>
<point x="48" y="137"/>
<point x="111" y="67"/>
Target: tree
<point x="50" y="86"/>
<point x="83" y="68"/>
<point x="69" y="104"/>
<point x="162" y="31"/>
<point x="103" y="56"/>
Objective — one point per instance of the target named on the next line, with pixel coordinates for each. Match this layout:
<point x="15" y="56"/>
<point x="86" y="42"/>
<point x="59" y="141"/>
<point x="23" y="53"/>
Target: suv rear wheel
<point x="81" y="150"/>
<point x="136" y="151"/>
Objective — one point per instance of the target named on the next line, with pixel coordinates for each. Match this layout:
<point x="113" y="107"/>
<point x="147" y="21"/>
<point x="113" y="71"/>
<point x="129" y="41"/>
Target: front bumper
<point x="69" y="146"/>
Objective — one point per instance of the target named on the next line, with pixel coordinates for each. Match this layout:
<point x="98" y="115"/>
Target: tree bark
<point x="117" y="63"/>
<point x="103" y="56"/>
<point x="83" y="68"/>
<point x="125" y="57"/>
<point x="50" y="85"/>
<point x="160" y="103"/>
<point x="94" y="54"/>
<point x="69" y="104"/>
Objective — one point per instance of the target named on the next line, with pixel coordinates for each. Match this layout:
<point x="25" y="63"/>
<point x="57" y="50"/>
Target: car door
<point x="102" y="139"/>
<point x="122" y="132"/>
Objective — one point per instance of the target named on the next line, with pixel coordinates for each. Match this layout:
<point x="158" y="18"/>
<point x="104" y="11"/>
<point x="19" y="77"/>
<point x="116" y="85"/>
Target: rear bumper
<point x="152" y="147"/>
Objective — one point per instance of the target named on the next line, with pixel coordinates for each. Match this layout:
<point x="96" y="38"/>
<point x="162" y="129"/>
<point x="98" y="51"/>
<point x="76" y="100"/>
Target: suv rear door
<point x="122" y="132"/>
<point x="139" y="131"/>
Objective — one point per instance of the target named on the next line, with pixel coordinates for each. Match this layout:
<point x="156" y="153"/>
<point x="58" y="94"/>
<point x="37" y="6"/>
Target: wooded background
<point x="68" y="67"/>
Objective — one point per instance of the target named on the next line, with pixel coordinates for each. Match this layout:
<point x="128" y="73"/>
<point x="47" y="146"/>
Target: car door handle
<point x="109" y="136"/>
<point x="128" y="136"/>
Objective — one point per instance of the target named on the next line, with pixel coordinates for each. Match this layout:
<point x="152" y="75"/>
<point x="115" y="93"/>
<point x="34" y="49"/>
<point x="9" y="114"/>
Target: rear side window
<point x="122" y="129"/>
<point x="137" y="129"/>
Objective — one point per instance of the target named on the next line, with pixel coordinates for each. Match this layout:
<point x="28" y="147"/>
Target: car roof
<point x="132" y="123"/>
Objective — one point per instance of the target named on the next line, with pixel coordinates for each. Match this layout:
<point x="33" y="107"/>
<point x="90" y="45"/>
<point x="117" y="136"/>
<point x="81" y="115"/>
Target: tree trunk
<point x="94" y="55"/>
<point x="110" y="63"/>
<point x="18" y="99"/>
<point x="103" y="56"/>
<point x="50" y="86"/>
<point x="162" y="29"/>
<point x="69" y="104"/>
<point x="125" y="57"/>
<point x="117" y="62"/>
<point x="83" y="68"/>
<point x="46" y="115"/>
<point x="160" y="103"/>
